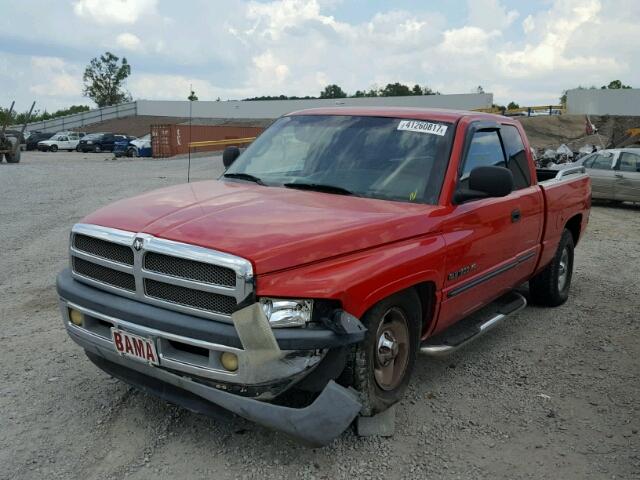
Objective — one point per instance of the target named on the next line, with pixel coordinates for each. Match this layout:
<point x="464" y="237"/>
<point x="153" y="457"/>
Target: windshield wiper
<point x="244" y="176"/>
<point x="319" y="187"/>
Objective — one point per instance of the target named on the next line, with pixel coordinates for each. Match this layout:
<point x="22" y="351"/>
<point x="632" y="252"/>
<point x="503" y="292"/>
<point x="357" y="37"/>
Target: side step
<point x="473" y="326"/>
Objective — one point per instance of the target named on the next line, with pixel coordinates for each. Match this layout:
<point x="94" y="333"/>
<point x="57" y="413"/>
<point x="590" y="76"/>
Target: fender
<point x="362" y="279"/>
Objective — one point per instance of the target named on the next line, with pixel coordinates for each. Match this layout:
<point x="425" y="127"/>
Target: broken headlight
<point x="285" y="312"/>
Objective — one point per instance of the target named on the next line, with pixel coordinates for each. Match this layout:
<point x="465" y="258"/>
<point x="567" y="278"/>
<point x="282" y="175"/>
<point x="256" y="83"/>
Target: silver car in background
<point x="615" y="174"/>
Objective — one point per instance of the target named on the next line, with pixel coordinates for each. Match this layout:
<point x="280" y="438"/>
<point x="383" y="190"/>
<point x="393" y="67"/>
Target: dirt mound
<point x="552" y="131"/>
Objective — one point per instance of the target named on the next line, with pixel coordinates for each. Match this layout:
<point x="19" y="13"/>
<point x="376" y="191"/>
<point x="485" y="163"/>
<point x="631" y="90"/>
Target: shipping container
<point x="170" y="140"/>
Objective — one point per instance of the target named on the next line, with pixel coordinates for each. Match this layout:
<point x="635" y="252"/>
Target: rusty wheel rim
<point x="391" y="349"/>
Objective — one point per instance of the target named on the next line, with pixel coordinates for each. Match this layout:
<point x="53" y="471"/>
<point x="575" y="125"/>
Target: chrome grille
<point x="104" y="249"/>
<point x="184" y="268"/>
<point x="161" y="272"/>
<point x="211" y="302"/>
<point x="104" y="274"/>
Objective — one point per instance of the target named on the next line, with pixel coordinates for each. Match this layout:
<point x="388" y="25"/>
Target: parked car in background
<point x="97" y="142"/>
<point x="139" y="147"/>
<point x="60" y="141"/>
<point x="35" y="137"/>
<point x="121" y="145"/>
<point x="615" y="174"/>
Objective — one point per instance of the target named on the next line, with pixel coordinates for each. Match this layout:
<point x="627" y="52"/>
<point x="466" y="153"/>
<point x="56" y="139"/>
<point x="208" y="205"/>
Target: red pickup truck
<point x="340" y="245"/>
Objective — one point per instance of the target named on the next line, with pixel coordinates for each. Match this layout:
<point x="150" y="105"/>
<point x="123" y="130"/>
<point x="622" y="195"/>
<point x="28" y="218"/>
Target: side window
<point x="629" y="162"/>
<point x="485" y="150"/>
<point x="516" y="156"/>
<point x="588" y="162"/>
<point x="602" y="162"/>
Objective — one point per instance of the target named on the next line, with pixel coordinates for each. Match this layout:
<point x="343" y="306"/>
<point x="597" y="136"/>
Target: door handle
<point x="515" y="215"/>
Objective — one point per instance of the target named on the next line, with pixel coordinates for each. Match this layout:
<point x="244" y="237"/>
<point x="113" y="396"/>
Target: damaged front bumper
<point x="189" y="348"/>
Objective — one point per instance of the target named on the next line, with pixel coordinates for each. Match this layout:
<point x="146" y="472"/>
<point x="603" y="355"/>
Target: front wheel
<point x="53" y="148"/>
<point x="550" y="287"/>
<point x="12" y="157"/>
<point x="97" y="149"/>
<point x="381" y="366"/>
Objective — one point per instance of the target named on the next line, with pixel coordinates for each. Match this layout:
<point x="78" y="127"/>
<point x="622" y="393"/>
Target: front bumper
<point x="189" y="348"/>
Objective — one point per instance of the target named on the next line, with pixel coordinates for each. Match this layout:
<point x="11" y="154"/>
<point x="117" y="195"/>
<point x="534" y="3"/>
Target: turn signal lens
<point x="76" y="317"/>
<point x="229" y="361"/>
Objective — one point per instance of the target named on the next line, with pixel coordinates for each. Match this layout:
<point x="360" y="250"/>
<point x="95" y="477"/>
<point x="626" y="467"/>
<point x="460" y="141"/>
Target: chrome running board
<point x="474" y="326"/>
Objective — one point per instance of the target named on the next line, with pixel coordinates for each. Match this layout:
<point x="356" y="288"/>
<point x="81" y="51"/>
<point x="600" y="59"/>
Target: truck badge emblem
<point x="137" y="244"/>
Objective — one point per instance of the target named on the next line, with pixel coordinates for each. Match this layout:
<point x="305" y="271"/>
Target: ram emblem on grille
<point x="137" y="244"/>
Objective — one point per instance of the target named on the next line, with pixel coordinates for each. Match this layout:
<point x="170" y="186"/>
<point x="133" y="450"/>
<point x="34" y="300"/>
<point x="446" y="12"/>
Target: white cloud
<point x="549" y="55"/>
<point x="490" y="14"/>
<point x="528" y="24"/>
<point x="55" y="78"/>
<point x="129" y="41"/>
<point x="467" y="41"/>
<point x="270" y="71"/>
<point x="114" y="11"/>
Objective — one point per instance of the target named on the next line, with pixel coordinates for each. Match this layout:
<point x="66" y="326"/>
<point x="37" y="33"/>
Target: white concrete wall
<point x="604" y="102"/>
<point x="254" y="109"/>
<point x="276" y="108"/>
<point x="79" y="120"/>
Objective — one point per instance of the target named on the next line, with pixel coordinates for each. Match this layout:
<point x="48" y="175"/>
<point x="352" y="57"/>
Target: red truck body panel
<point x="318" y="245"/>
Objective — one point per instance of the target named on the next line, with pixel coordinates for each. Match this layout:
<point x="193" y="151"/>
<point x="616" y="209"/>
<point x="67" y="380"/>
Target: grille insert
<point x="104" y="274"/>
<point x="103" y="249"/>
<point x="189" y="269"/>
<point x="210" y="302"/>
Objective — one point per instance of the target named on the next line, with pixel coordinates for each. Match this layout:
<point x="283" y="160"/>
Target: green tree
<point x="104" y="80"/>
<point x="417" y="90"/>
<point x="512" y="106"/>
<point x="332" y="91"/>
<point x="192" y="96"/>
<point x="615" y="85"/>
<point x="395" y="90"/>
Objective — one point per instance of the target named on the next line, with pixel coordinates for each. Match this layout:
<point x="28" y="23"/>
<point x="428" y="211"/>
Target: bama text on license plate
<point x="134" y="346"/>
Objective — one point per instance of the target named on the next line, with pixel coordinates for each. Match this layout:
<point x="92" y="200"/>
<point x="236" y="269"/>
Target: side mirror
<point x="486" y="182"/>
<point x="229" y="156"/>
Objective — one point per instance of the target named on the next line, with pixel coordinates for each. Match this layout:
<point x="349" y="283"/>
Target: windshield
<point x="375" y="157"/>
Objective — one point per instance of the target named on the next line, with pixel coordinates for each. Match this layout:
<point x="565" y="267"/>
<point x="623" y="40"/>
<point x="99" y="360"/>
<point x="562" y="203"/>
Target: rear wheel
<point x="550" y="287"/>
<point x="381" y="366"/>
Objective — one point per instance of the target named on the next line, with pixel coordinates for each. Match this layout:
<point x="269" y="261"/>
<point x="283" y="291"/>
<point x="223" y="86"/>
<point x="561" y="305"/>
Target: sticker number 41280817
<point x="422" y="127"/>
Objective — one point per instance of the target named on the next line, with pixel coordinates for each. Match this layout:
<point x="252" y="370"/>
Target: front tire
<point x="12" y="157"/>
<point x="550" y="287"/>
<point x="381" y="366"/>
<point x="97" y="149"/>
<point x="53" y="148"/>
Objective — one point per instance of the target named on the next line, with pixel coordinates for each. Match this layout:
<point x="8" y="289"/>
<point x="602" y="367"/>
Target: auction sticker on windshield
<point x="422" y="127"/>
<point x="134" y="346"/>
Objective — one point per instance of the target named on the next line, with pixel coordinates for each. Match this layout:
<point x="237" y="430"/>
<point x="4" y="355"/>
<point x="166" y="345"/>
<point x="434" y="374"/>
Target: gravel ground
<point x="552" y="393"/>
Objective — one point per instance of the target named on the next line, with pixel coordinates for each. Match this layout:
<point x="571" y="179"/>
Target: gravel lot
<point x="553" y="393"/>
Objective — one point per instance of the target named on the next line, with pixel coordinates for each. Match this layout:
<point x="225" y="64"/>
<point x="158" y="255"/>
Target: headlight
<point x="283" y="312"/>
<point x="89" y="142"/>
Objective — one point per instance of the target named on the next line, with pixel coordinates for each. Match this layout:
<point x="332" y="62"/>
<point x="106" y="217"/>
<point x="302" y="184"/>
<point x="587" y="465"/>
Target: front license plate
<point x="134" y="346"/>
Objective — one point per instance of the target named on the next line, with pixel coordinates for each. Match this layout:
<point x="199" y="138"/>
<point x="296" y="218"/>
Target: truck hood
<point x="275" y="228"/>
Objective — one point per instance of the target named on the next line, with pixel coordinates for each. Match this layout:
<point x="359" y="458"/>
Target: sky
<point x="525" y="51"/>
